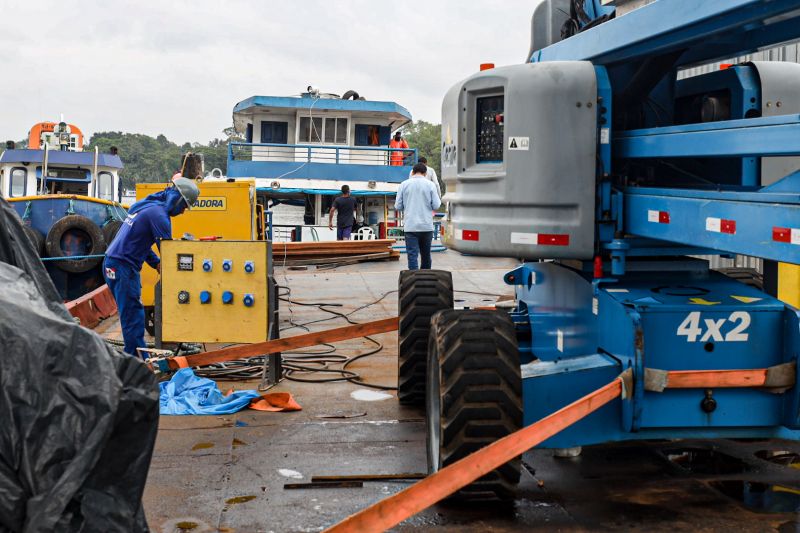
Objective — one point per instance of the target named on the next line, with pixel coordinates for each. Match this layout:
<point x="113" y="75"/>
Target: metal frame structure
<point x="652" y="309"/>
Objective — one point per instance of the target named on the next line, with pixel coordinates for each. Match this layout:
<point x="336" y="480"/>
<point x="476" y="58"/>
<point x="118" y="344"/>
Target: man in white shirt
<point x="430" y="174"/>
<point x="417" y="199"/>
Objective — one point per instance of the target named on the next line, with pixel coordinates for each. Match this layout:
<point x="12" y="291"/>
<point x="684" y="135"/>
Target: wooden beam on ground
<point x="281" y="345"/>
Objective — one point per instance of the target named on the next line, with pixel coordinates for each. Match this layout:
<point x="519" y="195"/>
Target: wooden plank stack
<point x="328" y="252"/>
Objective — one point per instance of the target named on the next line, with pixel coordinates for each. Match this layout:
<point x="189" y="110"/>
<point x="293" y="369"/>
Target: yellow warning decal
<point x="702" y="301"/>
<point x="746" y="299"/>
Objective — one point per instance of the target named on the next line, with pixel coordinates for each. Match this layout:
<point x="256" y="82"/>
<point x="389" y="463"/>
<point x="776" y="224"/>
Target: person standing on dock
<point x="148" y="223"/>
<point x="345" y="205"/>
<point x="396" y="158"/>
<point x="430" y="174"/>
<point x="417" y="198"/>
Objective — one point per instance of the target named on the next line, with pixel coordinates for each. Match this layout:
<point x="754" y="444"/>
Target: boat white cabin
<point x="302" y="149"/>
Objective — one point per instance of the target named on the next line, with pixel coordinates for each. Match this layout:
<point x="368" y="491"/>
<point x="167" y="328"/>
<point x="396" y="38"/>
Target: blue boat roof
<point x="54" y="157"/>
<point x="328" y="104"/>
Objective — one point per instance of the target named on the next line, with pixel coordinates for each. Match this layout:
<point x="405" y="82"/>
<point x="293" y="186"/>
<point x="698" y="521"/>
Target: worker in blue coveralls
<point x="148" y="223"/>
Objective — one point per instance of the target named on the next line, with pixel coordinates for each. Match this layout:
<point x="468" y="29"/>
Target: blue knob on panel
<point x="249" y="300"/>
<point x="227" y="297"/>
<point x="208" y="265"/>
<point x="205" y="297"/>
<point x="227" y="265"/>
<point x="249" y="267"/>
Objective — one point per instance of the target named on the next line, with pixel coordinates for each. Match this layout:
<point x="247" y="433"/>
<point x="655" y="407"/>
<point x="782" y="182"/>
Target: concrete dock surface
<point x="227" y="474"/>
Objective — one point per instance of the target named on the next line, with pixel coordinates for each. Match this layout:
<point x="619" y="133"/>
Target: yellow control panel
<point x="215" y="291"/>
<point x="224" y="209"/>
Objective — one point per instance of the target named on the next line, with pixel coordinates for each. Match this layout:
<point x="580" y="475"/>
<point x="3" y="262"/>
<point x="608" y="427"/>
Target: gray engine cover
<point x="539" y="193"/>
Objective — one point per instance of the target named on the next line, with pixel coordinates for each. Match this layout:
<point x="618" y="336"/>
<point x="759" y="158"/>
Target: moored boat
<point x="68" y="200"/>
<point x="301" y="150"/>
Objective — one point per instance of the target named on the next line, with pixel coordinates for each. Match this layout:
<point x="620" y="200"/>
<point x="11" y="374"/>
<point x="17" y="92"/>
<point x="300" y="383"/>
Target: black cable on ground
<point x="298" y="364"/>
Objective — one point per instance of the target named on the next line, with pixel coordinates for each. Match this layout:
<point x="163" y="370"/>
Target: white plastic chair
<point x="364" y="234"/>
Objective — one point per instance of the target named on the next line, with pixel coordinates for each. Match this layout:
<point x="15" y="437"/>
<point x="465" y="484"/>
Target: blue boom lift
<point x="606" y="170"/>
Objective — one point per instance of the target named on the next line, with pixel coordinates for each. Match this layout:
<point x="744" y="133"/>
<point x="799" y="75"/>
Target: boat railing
<point x="358" y="155"/>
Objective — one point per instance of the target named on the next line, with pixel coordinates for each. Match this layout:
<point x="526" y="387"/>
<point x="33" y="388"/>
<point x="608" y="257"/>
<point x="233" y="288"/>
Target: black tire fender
<point x="75" y="222"/>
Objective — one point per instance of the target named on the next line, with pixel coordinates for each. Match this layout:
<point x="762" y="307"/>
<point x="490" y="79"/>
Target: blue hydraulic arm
<point x="703" y="31"/>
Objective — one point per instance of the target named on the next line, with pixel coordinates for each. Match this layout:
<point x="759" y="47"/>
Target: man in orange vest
<point x="396" y="158"/>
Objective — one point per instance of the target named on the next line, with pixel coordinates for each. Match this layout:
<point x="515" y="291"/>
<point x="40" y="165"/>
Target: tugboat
<point x="68" y="200"/>
<point x="302" y="149"/>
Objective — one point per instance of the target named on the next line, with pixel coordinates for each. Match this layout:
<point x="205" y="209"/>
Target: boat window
<point x="310" y="132"/>
<point x="332" y="130"/>
<point x="18" y="182"/>
<point x="105" y="186"/>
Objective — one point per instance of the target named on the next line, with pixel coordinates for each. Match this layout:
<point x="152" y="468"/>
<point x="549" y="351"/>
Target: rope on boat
<point x="71" y="257"/>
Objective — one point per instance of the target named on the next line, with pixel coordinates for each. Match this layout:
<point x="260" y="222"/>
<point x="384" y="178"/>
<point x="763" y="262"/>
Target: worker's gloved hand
<point x="188" y="237"/>
<point x="158" y="268"/>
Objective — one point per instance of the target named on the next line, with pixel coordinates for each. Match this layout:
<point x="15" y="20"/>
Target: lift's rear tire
<point x="474" y="395"/>
<point x="422" y="293"/>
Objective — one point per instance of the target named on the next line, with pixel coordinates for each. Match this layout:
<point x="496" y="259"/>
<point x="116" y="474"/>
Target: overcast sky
<point x="179" y="67"/>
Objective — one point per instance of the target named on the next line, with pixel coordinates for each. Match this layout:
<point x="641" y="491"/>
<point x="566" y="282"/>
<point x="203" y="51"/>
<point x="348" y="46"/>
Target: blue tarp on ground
<point x="188" y="394"/>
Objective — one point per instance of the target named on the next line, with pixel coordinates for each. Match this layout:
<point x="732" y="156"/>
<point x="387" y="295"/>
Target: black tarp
<point x="78" y="419"/>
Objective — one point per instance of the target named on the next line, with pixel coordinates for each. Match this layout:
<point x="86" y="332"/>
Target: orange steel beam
<point x="406" y="503"/>
<point x="701" y="379"/>
<point x="281" y="345"/>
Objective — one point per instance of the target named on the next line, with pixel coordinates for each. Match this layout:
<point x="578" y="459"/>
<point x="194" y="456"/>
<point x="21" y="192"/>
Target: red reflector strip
<point x="721" y="225"/>
<point x="552" y="239"/>
<point x="787" y="235"/>
<point x="660" y="217"/>
<point x="728" y="226"/>
<point x="470" y="235"/>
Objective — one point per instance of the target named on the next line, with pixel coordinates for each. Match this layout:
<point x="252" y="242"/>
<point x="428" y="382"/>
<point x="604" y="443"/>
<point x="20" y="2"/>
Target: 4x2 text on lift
<point x="696" y="328"/>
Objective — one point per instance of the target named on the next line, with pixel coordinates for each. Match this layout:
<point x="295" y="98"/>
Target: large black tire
<point x="474" y="395"/>
<point x="110" y="230"/>
<point x="76" y="223"/>
<point x="36" y="238"/>
<point x="422" y="293"/>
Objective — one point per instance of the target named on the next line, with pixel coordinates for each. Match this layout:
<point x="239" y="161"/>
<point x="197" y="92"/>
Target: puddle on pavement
<point x="703" y="461"/>
<point x="239" y="499"/>
<point x="780" y="457"/>
<point x="761" y="497"/>
<point x="293" y="474"/>
<point x="203" y="446"/>
<point x="370" y="395"/>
